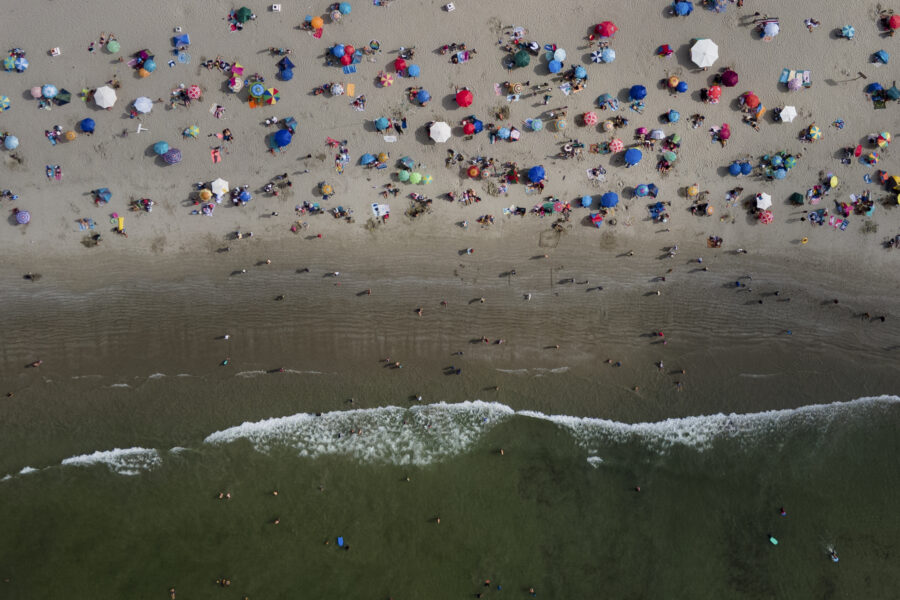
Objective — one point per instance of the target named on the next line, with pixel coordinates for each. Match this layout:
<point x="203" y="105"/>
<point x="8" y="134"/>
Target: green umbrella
<point x="670" y="156"/>
<point x="113" y="46"/>
<point x="64" y="96"/>
<point x="522" y="58"/>
<point x="403" y="175"/>
<point x="796" y="198"/>
<point x="242" y="15"/>
<point x="415" y="177"/>
<point x="676" y="139"/>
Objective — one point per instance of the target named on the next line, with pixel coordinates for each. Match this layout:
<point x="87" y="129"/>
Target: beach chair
<point x="759" y="111"/>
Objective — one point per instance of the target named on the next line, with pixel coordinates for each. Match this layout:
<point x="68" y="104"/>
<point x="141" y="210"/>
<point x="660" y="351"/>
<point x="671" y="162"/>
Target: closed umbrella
<point x="172" y="156"/>
<point x="637" y="92"/>
<point x="608" y="55"/>
<point x="105" y="97"/>
<point x="555" y="66"/>
<point x="160" y="148"/>
<point x="87" y="125"/>
<point x="763" y="201"/>
<point x="734" y="168"/>
<point x="683" y="8"/>
<point x="596" y="56"/>
<point x="194" y="92"/>
<point x="11" y="142"/>
<point x="281" y="138"/>
<point x="788" y="114"/>
<point x="704" y="53"/>
<point x="439" y="132"/>
<point x="464" y="98"/>
<point x="537" y="124"/>
<point x="522" y="58"/>
<point x="23" y="217"/>
<point x="609" y="199"/>
<point x="386" y="79"/>
<point x="536" y="174"/>
<point x="49" y="91"/>
<point x="633" y="156"/>
<point x="143" y="104"/>
<point x="616" y="145"/>
<point x="729" y="78"/>
<point x="606" y="29"/>
<point x="590" y="118"/>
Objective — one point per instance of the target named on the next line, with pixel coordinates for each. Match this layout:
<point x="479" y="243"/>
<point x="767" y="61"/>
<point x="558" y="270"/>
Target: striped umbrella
<point x="21" y="64"/>
<point x="194" y="92"/>
<point x="235" y="84"/>
<point x="814" y="132"/>
<point x="616" y="145"/>
<point x="271" y="96"/>
<point x="385" y="79"/>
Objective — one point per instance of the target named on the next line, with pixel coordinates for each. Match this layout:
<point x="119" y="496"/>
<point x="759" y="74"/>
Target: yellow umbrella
<point x="205" y="194"/>
<point x="693" y="190"/>
<point x="896" y="180"/>
<point x="326" y="189"/>
<point x="71" y="135"/>
<point x="673" y="81"/>
<point x="383" y="157"/>
<point x="385" y="79"/>
<point x="833" y="181"/>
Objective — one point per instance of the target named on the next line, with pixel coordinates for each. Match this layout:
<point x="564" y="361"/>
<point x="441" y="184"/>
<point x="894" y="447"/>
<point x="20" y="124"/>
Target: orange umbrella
<point x="474" y="172"/>
<point x="317" y="23"/>
<point x="751" y="100"/>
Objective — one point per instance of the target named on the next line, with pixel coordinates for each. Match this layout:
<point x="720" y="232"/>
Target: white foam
<point x="177" y="450"/>
<point x="128" y="461"/>
<point x="250" y="373"/>
<point x="156" y="376"/>
<point x="418" y="435"/>
<point x="120" y="385"/>
<point x="27" y="470"/>
<point x="6" y="477"/>
<point x="594" y="461"/>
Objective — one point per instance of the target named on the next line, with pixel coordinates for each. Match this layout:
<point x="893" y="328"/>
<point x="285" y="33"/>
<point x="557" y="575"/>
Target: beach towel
<point x="463" y="56"/>
<point x="349" y="69"/>
<point x="351" y="89"/>
<point x="216" y="156"/>
<point x="380" y="210"/>
<point x="844" y="224"/>
<point x="512" y="98"/>
<point x="497" y="90"/>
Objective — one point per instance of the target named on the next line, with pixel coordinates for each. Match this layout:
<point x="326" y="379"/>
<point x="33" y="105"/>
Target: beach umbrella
<point x="415" y="178"/>
<point x="751" y="100"/>
<point x="779" y="173"/>
<point x="284" y="63"/>
<point x="49" y="91"/>
<point x="848" y="31"/>
<point x="729" y="78"/>
<point x="87" y="125"/>
<point x="894" y="22"/>
<point x="382" y="123"/>
<point x="724" y="132"/>
<point x="172" y="156"/>
<point x="682" y="87"/>
<point x="149" y="65"/>
<point x="586" y="201"/>
<point x="464" y="98"/>
<point x="245" y="196"/>
<point x="814" y="132"/>
<point x="143" y="72"/>
<point x="160" y="148"/>
<point x="383" y="157"/>
<point x="881" y="56"/>
<point x="317" y="23"/>
<point x="609" y="199"/>
<point x="607" y="55"/>
<point x="657" y="134"/>
<point x="771" y="30"/>
<point x="790" y="162"/>
<point x="555" y="66"/>
<point x="746" y="168"/>
<point x="9" y="63"/>
<point x="281" y="138"/>
<point x="683" y="8"/>
<point x="235" y="84"/>
<point x="536" y="174"/>
<point x="143" y="104"/>
<point x="590" y="118"/>
<point x="597" y="56"/>
<point x="704" y="53"/>
<point x="257" y="90"/>
<point x="503" y="133"/>
<point x="473" y="172"/>
<point x="349" y="49"/>
<point x="403" y="176"/>
<point x="637" y="92"/>
<point x="537" y="124"/>
<point x="337" y="90"/>
<point x="385" y="79"/>
<point x="192" y="131"/>
<point x="21" y="64"/>
<point x="883" y="139"/>
<point x="11" y="142"/>
<point x="468" y="128"/>
<point x="670" y="156"/>
<point x="833" y="181"/>
<point x="399" y="64"/>
<point x="873" y="88"/>
<point x="219" y="187"/>
<point x="796" y="198"/>
<point x="633" y="156"/>
<point x="616" y="145"/>
<point x="326" y="189"/>
<point x="4" y="103"/>
<point x="337" y="50"/>
<point x="559" y="54"/>
<point x="714" y="92"/>
<point x="105" y="97"/>
<point x="734" y="168"/>
<point x="426" y="179"/>
<point x="606" y="29"/>
<point x="674" y="116"/>
<point x="893" y="92"/>
<point x="673" y="81"/>
<point x="642" y="190"/>
<point x="286" y="74"/>
<point x="479" y="126"/>
<point x="103" y="194"/>
<point x="413" y="70"/>
<point x="271" y="96"/>
<point x="367" y="159"/>
<point x="580" y="72"/>
<point x="559" y="124"/>
<point x="243" y="14"/>
<point x="763" y="201"/>
<point x="788" y="114"/>
<point x="522" y="58"/>
<point x="112" y="46"/>
<point x="439" y="132"/>
<point x="693" y="190"/>
<point x="194" y="92"/>
<point x="794" y="84"/>
<point x="766" y="217"/>
<point x="344" y="8"/>
<point x="23" y="217"/>
<point x="776" y="160"/>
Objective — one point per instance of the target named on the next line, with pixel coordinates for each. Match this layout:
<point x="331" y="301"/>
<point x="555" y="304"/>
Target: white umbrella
<point x="105" y="97"/>
<point x="143" y="104"/>
<point x="763" y="201"/>
<point x="704" y="53"/>
<point x="439" y="132"/>
<point x="219" y="187"/>
<point x="657" y="134"/>
<point x="788" y="114"/>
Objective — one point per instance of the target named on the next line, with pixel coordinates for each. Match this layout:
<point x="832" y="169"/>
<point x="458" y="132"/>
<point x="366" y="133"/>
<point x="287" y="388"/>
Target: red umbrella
<point x="464" y="98"/>
<point x="729" y="78"/>
<point x="751" y="100"/>
<point x="606" y="29"/>
<point x="858" y="152"/>
<point x="194" y="92"/>
<point x="894" y="22"/>
<point x="616" y="145"/>
<point x="468" y="129"/>
<point x="766" y="217"/>
<point x="474" y="172"/>
<point x="349" y="49"/>
<point x="715" y="92"/>
<point x="346" y="59"/>
<point x="399" y="64"/>
<point x="590" y="118"/>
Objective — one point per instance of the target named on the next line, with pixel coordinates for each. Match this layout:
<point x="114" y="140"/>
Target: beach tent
<point x="105" y="97"/>
<point x="439" y="132"/>
<point x="63" y="97"/>
<point x="704" y="53"/>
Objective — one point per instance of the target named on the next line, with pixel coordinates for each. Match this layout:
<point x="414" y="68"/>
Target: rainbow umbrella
<point x="883" y="140"/>
<point x="271" y="96"/>
<point x="257" y="90"/>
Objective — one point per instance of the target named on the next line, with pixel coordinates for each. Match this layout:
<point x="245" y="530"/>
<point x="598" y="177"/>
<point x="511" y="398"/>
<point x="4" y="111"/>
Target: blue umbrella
<point x="882" y="56"/>
<point x="286" y="74"/>
<point x="503" y="133"/>
<point x="184" y="57"/>
<point x="150" y="65"/>
<point x="282" y="138"/>
<point x="780" y="174"/>
<point x="637" y="92"/>
<point x="536" y="174"/>
<point x="366" y="159"/>
<point x="734" y="168"/>
<point x="344" y="7"/>
<point x="776" y="160"/>
<point x="586" y="201"/>
<point x="642" y="190"/>
<point x="479" y="126"/>
<point x="21" y="64"/>
<point x="172" y="157"/>
<point x="609" y="199"/>
<point x="338" y="51"/>
<point x="423" y="96"/>
<point x="633" y="156"/>
<point x="257" y="90"/>
<point x="555" y="66"/>
<point x="537" y="124"/>
<point x="381" y="123"/>
<point x="160" y="148"/>
<point x="848" y="31"/>
<point x="873" y="87"/>
<point x="682" y="87"/>
<point x="104" y="194"/>
<point x="580" y="73"/>
<point x="608" y="55"/>
<point x="87" y="125"/>
<point x="23" y="217"/>
<point x="746" y="168"/>
<point x="413" y="70"/>
<point x="245" y="196"/>
<point x="674" y="116"/>
<point x="49" y="91"/>
<point x="11" y="142"/>
<point x="683" y="8"/>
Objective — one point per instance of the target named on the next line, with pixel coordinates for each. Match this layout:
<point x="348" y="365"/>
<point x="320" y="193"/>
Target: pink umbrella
<point x="590" y="118"/>
<point x="642" y="131"/>
<point x="616" y="145"/>
<point x="766" y="217"/>
<point x="725" y="132"/>
<point x="729" y="78"/>
<point x="194" y="92"/>
<point x="37" y="92"/>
